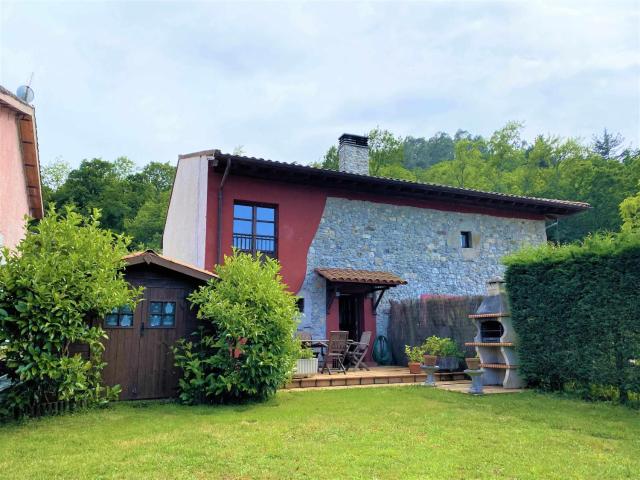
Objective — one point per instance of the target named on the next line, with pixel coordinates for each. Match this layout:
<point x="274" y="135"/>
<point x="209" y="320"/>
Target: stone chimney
<point x="353" y="154"/>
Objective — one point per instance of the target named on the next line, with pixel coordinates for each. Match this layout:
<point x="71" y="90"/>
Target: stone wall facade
<point x="420" y="245"/>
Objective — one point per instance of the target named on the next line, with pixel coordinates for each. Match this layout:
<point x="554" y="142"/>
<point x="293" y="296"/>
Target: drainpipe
<point x="219" y="223"/>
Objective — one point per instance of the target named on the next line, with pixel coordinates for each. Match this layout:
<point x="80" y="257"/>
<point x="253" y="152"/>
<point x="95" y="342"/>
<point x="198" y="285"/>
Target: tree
<point x="630" y="213"/>
<point x="330" y="159"/>
<point x="245" y="348"/>
<point x="385" y="149"/>
<point x="608" y="145"/>
<point x="63" y="277"/>
<point x="53" y="177"/>
<point x="147" y="226"/>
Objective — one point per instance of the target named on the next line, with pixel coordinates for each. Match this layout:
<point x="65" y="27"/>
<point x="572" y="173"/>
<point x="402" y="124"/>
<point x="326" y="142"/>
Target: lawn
<point x="401" y="432"/>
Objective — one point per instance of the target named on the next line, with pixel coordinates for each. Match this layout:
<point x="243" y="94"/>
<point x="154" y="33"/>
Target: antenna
<point x="25" y="92"/>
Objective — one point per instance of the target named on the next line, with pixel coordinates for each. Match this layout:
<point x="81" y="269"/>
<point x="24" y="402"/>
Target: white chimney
<point x="353" y="154"/>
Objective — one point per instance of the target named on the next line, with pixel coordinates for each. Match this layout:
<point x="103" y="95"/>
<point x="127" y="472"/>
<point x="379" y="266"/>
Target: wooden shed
<point x="138" y="350"/>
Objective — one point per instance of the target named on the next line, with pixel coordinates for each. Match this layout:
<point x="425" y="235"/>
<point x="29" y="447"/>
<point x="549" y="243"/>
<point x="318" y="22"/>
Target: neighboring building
<point x="344" y="237"/>
<point x="138" y="349"/>
<point x="20" y="192"/>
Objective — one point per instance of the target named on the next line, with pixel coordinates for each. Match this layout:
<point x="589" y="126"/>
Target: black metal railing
<point x="255" y="243"/>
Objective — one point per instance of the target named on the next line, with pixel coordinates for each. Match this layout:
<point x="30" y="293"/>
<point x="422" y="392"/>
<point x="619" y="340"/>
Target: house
<point x="138" y="349"/>
<point x="20" y="192"/>
<point x="349" y="242"/>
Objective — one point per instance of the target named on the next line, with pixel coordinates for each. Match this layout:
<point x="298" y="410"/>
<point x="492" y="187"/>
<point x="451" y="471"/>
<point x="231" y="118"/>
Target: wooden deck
<point x="375" y="376"/>
<point x="380" y="376"/>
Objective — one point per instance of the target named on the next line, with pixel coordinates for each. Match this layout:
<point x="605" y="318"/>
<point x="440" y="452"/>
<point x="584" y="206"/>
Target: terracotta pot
<point x="430" y="360"/>
<point x="473" y="363"/>
<point x="414" y="368"/>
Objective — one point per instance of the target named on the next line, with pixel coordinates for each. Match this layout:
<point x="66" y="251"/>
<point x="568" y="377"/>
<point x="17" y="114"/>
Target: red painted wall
<point x="299" y="213"/>
<point x="300" y="209"/>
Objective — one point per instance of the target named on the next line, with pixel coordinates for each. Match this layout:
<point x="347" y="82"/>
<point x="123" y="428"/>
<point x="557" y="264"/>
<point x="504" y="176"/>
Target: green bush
<point x="245" y="348"/>
<point x="441" y="347"/>
<point x="64" y="273"/>
<point x="414" y="354"/>
<point x="576" y="309"/>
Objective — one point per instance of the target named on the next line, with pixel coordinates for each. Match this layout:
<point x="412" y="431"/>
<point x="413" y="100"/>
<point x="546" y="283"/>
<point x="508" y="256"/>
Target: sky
<point x="152" y="80"/>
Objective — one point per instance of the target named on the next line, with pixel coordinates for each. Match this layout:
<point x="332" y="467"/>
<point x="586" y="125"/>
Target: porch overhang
<point x="369" y="281"/>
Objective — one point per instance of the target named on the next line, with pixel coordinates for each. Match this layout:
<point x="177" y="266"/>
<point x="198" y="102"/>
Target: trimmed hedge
<point x="576" y="309"/>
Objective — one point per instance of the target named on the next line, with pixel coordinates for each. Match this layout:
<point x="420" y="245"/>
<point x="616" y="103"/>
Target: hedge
<point x="576" y="310"/>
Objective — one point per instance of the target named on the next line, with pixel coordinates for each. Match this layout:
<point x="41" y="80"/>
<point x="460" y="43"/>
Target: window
<point x="119" y="317"/>
<point x="300" y="305"/>
<point x="465" y="239"/>
<point x="254" y="229"/>
<point x="162" y="314"/>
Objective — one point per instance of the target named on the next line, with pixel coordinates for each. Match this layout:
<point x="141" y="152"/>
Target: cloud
<point x="153" y="80"/>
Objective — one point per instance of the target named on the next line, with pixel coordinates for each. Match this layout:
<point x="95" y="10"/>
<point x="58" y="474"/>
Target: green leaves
<point x="66" y="272"/>
<point x="576" y="310"/>
<point x="245" y="347"/>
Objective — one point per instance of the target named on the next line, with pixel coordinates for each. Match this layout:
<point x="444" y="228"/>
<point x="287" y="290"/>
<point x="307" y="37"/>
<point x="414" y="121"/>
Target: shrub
<point x="576" y="310"/>
<point x="414" y="354"/>
<point x="244" y="349"/>
<point x="65" y="272"/>
<point x="441" y="347"/>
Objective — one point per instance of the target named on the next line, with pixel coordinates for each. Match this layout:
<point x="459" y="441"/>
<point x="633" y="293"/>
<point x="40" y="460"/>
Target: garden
<point x="385" y="433"/>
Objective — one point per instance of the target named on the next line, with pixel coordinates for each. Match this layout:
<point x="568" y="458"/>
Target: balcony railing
<point x="255" y="243"/>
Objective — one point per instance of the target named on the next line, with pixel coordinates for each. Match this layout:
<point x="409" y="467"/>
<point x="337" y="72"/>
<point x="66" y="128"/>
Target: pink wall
<point x="14" y="204"/>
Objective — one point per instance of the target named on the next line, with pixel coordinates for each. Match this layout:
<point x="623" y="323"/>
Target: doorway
<point x="138" y="351"/>
<point x="351" y="317"/>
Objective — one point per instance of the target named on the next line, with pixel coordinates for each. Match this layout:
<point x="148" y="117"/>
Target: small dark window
<point x="465" y="239"/>
<point x="119" y="317"/>
<point x="491" y="331"/>
<point x="300" y="305"/>
<point x="254" y="229"/>
<point x="162" y="314"/>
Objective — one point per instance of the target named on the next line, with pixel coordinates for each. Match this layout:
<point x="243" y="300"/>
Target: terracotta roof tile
<point x="348" y="275"/>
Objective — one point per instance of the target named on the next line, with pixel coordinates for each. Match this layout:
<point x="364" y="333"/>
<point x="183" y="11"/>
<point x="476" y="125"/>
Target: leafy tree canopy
<point x="133" y="201"/>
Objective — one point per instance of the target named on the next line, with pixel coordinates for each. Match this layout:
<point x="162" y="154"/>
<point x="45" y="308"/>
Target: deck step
<point x="394" y="376"/>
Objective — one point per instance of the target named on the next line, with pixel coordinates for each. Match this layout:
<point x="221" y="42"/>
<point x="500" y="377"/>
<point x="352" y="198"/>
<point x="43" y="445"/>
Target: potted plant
<point x="307" y="363"/>
<point x="414" y="355"/>
<point x="444" y="351"/>
<point x="473" y="363"/>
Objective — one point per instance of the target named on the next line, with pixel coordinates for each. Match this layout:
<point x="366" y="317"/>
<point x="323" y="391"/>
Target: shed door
<point x="162" y="324"/>
<point x="138" y="354"/>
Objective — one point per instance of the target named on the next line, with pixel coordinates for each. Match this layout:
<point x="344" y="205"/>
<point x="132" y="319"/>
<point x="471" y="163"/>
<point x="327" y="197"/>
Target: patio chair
<point x="357" y="352"/>
<point x="305" y="340"/>
<point x="336" y="351"/>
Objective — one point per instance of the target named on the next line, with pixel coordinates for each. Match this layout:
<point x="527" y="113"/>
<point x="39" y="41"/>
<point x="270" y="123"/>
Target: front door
<point x="351" y="314"/>
<point x="138" y="351"/>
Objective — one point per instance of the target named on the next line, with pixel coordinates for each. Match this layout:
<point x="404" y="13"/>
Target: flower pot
<point x="414" y="368"/>
<point x="430" y="360"/>
<point x="306" y="367"/>
<point x="448" y="363"/>
<point x="473" y="363"/>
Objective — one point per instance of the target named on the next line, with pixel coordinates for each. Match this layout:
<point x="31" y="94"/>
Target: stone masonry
<point x="420" y="245"/>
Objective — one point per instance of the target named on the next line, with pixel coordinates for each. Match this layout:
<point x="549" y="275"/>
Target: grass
<point x="402" y="432"/>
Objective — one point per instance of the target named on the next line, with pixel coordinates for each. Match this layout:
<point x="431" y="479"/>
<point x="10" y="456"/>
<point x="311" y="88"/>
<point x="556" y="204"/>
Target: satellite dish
<point x="25" y="93"/>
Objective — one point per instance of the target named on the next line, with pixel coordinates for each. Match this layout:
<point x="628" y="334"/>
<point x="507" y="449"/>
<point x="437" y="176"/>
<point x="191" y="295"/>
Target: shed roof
<point x="348" y="275"/>
<point x="151" y="257"/>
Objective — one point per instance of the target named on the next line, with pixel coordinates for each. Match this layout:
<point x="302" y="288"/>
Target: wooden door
<point x="162" y="325"/>
<point x="351" y="314"/>
<point x="121" y="351"/>
<point x="138" y="351"/>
